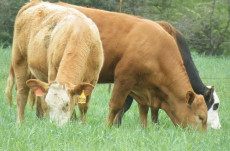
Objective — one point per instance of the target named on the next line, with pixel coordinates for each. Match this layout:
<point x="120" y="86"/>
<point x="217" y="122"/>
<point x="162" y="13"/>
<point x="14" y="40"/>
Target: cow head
<point x="60" y="99"/>
<point x="198" y="113"/>
<point x="212" y="102"/>
<point x="190" y="110"/>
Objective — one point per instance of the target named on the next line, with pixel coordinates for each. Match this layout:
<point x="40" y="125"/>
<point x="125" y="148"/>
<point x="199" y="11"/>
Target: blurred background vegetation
<point x="204" y="23"/>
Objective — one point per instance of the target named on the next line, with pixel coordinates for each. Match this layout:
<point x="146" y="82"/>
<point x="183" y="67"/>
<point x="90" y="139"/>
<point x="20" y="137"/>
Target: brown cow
<point x="143" y="61"/>
<point x="58" y="45"/>
<point x="210" y="96"/>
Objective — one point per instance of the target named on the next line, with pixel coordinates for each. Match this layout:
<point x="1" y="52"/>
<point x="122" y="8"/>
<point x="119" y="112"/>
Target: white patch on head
<point x="213" y="116"/>
<point x="58" y="102"/>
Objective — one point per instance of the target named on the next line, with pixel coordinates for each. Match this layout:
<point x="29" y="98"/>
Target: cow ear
<point x="77" y="90"/>
<point x="209" y="94"/>
<point x="190" y="96"/>
<point x="40" y="88"/>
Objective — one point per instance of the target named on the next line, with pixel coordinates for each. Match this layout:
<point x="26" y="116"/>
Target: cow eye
<point x="201" y="118"/>
<point x="65" y="107"/>
<point x="216" y="106"/>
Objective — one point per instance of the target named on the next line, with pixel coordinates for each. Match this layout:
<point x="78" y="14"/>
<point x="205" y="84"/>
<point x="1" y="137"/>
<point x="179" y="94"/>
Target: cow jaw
<point x="58" y="101"/>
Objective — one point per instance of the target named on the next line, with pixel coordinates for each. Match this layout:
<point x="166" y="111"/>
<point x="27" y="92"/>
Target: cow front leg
<point x="21" y="74"/>
<point x="39" y="110"/>
<point x="121" y="90"/>
<point x="42" y="107"/>
<point x="73" y="116"/>
<point x="22" y="95"/>
<point x="143" y="111"/>
<point x="126" y="106"/>
<point x="83" y="108"/>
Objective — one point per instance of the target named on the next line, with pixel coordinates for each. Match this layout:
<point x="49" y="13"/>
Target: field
<point x="41" y="135"/>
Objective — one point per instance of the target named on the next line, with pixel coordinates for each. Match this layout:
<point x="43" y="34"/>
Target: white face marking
<point x="58" y="102"/>
<point x="213" y="117"/>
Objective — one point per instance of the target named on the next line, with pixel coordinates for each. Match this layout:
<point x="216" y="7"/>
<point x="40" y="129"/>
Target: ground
<point x="36" y="135"/>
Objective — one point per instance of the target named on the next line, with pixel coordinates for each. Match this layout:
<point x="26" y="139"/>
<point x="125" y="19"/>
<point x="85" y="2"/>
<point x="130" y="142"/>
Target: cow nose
<point x="216" y="126"/>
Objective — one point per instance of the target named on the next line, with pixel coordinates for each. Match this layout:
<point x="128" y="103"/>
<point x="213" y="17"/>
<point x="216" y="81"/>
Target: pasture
<point x="39" y="134"/>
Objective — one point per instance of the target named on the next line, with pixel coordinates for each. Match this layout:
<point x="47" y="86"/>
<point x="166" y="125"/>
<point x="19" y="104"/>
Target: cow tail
<point x="10" y="85"/>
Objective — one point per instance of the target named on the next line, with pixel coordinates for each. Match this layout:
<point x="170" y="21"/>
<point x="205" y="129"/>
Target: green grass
<point x="41" y="135"/>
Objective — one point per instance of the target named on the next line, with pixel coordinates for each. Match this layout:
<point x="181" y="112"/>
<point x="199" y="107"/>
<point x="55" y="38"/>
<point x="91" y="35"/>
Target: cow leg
<point x="121" y="90"/>
<point x="126" y="106"/>
<point x="32" y="99"/>
<point x="42" y="107"/>
<point x="143" y="110"/>
<point x="154" y="114"/>
<point x="83" y="109"/>
<point x="22" y="75"/>
<point x="73" y="116"/>
<point x="22" y="95"/>
<point x="39" y="111"/>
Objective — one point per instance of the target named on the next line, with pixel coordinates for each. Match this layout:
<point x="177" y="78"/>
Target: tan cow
<point x="143" y="61"/>
<point x="58" y="45"/>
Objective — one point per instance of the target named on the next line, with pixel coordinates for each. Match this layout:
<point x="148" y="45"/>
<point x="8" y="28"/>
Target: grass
<point x="37" y="135"/>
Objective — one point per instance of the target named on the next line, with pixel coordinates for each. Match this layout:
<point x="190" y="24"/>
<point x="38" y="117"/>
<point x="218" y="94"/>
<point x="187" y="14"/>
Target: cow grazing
<point x="143" y="61"/>
<point x="210" y="96"/>
<point x="61" y="47"/>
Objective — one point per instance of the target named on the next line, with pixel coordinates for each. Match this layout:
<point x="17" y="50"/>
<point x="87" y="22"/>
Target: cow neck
<point x="176" y="79"/>
<point x="175" y="102"/>
<point x="190" y="67"/>
<point x="72" y="65"/>
<point x="195" y="79"/>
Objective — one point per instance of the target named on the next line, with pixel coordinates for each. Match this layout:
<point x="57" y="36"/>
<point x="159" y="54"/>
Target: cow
<point x="148" y="81"/>
<point x="144" y="62"/>
<point x="61" y="48"/>
<point x="211" y="98"/>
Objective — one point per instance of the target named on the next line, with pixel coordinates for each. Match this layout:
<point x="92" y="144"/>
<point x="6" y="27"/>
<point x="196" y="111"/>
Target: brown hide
<point x="143" y="61"/>
<point x="55" y="43"/>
